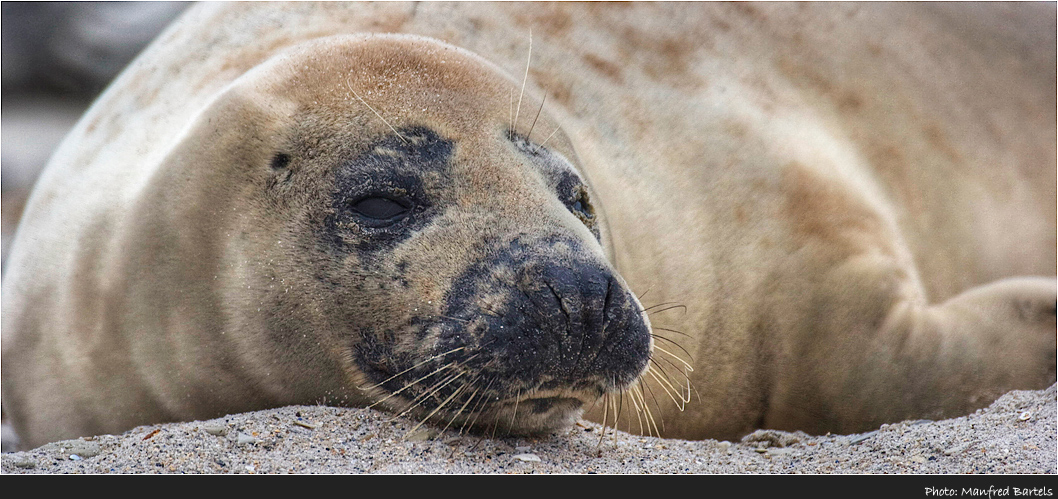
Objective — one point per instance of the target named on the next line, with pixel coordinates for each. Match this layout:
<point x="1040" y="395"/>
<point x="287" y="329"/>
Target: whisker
<point x="640" y="297"/>
<point x="682" y="372"/>
<point x="605" y="411"/>
<point x="465" y="404"/>
<point x="478" y="408"/>
<point x="532" y="126"/>
<point x="662" y="304"/>
<point x="430" y="391"/>
<point x="471" y="418"/>
<point x="692" y="387"/>
<point x="514" y="415"/>
<point x="674" y="343"/>
<point x="453" y="318"/>
<point x="671" y="331"/>
<point x="637" y="391"/>
<point x="684" y="384"/>
<point x="674" y="379"/>
<point x="677" y="357"/>
<point x="639" y="418"/>
<point x="402" y="138"/>
<point x="409" y="385"/>
<point x="668" y="306"/>
<point x="494" y="424"/>
<point x="438" y="408"/>
<point x="640" y="411"/>
<point x="518" y="110"/>
<point x="673" y="382"/>
<point x="391" y="378"/>
<point x="542" y="144"/>
<point x="665" y="385"/>
<point x="646" y="387"/>
<point x="482" y="404"/>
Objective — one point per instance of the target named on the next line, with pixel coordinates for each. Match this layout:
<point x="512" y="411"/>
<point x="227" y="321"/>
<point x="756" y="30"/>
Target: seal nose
<point x="581" y="324"/>
<point x="545" y="313"/>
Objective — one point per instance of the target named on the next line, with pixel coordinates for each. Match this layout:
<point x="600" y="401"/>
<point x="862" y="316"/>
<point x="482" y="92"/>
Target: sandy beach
<point x="1015" y="435"/>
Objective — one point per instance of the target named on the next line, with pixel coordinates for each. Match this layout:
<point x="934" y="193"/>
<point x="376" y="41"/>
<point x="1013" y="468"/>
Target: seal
<point x="327" y="203"/>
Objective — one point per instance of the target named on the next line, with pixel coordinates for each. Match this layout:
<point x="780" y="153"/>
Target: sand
<point x="1016" y="434"/>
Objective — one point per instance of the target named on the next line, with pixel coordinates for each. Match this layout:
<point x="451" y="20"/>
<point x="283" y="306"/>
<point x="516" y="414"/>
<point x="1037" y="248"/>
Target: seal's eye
<point x="381" y="208"/>
<point x="581" y="208"/>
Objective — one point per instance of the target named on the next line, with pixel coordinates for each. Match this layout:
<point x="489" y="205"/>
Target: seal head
<point x="534" y="325"/>
<point x="408" y="239"/>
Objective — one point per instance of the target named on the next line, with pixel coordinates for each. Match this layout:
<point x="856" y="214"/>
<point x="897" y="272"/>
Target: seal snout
<point x="564" y="321"/>
<point x="580" y="324"/>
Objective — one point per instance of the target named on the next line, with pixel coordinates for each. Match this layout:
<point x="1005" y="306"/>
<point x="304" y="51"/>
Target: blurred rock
<point x="76" y="47"/>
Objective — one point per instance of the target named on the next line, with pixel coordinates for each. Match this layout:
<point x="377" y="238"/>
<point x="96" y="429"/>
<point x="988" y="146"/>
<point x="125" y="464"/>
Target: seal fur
<point x="191" y="250"/>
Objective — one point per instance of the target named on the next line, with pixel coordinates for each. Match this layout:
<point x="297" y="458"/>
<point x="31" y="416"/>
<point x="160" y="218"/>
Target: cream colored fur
<point x="850" y="200"/>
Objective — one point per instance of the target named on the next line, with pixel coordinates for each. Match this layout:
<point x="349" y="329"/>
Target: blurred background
<point x="56" y="58"/>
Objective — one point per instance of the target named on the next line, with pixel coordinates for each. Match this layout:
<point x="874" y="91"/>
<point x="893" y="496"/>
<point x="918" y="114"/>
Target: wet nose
<point x="576" y="322"/>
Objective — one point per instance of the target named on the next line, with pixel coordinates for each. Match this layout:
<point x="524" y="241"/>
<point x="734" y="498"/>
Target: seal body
<point x="831" y="216"/>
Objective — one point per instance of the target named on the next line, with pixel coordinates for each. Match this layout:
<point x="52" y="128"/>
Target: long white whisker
<point x="518" y="110"/>
<point x="671" y="378"/>
<point x="413" y="383"/>
<point x="409" y="385"/>
<point x="402" y="138"/>
<point x="531" y="127"/>
<point x="646" y="408"/>
<point x="413" y="367"/>
<point x="677" y="357"/>
<point x="439" y="407"/>
<point x="477" y="412"/>
<point x="605" y="411"/>
<point x="639" y="418"/>
<point x="432" y="390"/>
<point x="549" y="137"/>
<point x="664" y="384"/>
<point x="465" y="404"/>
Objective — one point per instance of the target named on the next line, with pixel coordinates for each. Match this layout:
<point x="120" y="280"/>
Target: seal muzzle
<point x="541" y="325"/>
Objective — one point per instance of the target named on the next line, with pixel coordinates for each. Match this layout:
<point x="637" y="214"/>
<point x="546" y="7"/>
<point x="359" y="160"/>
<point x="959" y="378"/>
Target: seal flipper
<point x="861" y="345"/>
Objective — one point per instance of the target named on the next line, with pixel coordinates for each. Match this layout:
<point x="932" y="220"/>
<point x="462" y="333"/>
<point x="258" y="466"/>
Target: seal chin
<point x="540" y="414"/>
<point x="544" y="405"/>
<point x="536" y="413"/>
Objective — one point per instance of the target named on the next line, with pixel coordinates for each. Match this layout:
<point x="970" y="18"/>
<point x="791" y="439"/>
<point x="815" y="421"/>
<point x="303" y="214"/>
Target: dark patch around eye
<point x="379" y="198"/>
<point x="569" y="187"/>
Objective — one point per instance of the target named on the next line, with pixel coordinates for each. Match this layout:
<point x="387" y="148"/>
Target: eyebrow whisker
<point x="541" y="108"/>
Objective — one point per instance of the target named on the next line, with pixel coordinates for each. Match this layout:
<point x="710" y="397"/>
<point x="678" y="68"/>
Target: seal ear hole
<point x="280" y="161"/>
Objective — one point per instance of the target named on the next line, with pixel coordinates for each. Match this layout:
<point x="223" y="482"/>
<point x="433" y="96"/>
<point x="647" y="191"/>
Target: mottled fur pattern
<point x="826" y="213"/>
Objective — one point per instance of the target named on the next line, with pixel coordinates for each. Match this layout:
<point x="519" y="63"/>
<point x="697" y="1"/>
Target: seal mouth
<point x="543" y="405"/>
